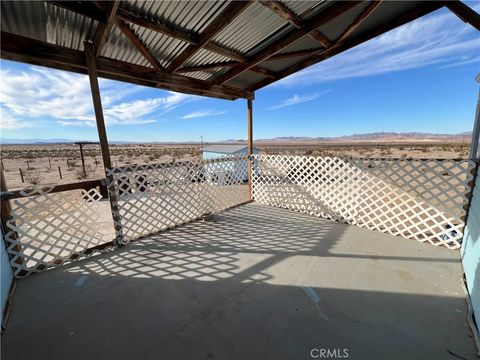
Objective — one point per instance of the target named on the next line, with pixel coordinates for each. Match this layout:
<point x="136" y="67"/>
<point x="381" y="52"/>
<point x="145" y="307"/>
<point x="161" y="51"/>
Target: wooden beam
<point x="224" y="52"/>
<point x="104" y="29"/>
<point x="316" y="57"/>
<point x="250" y="144"/>
<point x="284" y="12"/>
<point x="332" y="12"/>
<point x="97" y="104"/>
<point x="161" y="27"/>
<point x="322" y="39"/>
<point x="134" y="39"/>
<point x="465" y="13"/>
<point x="85" y="8"/>
<point x="221" y="21"/>
<point x="91" y="61"/>
<point x="359" y="20"/>
<point x="207" y="67"/>
<point x="176" y="33"/>
<point x="290" y="54"/>
<point x="85" y="185"/>
<point x="19" y="48"/>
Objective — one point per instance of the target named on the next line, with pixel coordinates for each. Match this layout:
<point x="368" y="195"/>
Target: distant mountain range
<point x="377" y="136"/>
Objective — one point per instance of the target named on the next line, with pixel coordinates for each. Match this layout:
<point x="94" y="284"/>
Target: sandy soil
<point x="41" y="164"/>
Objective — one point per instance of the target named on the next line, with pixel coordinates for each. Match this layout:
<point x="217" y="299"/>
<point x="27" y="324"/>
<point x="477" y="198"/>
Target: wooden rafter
<point x="135" y="40"/>
<point x="161" y="27"/>
<point x="281" y="56"/>
<point x="176" y="33"/>
<point x="104" y="28"/>
<point x="206" y="67"/>
<point x="358" y="20"/>
<point x="320" y="38"/>
<point x="222" y="20"/>
<point x="85" y="8"/>
<point x="318" y="56"/>
<point x="332" y="12"/>
<point x="465" y="13"/>
<point x="224" y="52"/>
<point x="283" y="11"/>
<point x="19" y="48"/>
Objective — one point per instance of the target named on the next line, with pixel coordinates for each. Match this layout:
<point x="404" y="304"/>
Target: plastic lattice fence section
<point x="48" y="229"/>
<point x="154" y="197"/>
<point x="416" y="199"/>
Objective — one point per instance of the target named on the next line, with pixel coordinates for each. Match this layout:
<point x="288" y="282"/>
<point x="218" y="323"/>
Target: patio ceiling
<point x="223" y="49"/>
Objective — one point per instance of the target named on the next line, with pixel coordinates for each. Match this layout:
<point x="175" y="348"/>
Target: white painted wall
<point x="6" y="274"/>
<point x="471" y="251"/>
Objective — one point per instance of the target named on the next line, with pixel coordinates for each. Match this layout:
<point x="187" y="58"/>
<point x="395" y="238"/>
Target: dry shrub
<point x="89" y="170"/>
<point x="33" y="177"/>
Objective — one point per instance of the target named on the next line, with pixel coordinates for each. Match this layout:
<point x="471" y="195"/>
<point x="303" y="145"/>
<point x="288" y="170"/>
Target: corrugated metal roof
<point x="193" y="16"/>
<point x="282" y="64"/>
<point x="25" y="18"/>
<point x="384" y="12"/>
<point x="304" y="8"/>
<point x="252" y="27"/>
<point x="203" y="57"/>
<point x="67" y="28"/>
<point x="303" y="43"/>
<point x="163" y="47"/>
<point x="245" y="79"/>
<point x="333" y="29"/>
<point x="252" y="31"/>
<point x="120" y="48"/>
<point x="225" y="149"/>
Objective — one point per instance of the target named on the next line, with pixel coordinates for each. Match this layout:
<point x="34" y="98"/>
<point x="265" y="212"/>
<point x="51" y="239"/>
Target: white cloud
<point x="297" y="99"/>
<point x="66" y="98"/>
<point x="440" y="39"/>
<point x="10" y="122"/>
<point x="203" y="113"/>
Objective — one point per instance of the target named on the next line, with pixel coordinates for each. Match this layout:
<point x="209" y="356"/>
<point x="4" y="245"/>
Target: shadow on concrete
<point x="261" y="283"/>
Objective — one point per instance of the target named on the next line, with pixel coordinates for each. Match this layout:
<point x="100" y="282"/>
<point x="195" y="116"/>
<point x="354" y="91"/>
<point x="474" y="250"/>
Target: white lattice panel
<point x="47" y="229"/>
<point x="154" y="197"/>
<point x="417" y="199"/>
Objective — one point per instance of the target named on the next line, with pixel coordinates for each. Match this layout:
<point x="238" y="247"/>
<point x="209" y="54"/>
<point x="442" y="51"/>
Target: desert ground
<point x="50" y="164"/>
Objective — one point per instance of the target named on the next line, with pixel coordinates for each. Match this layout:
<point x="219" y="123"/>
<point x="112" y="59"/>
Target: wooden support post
<point x="50" y="163"/>
<point x="83" y="160"/>
<point x="102" y="133"/>
<point x="21" y="175"/>
<point x="60" y="172"/>
<point x="250" y="146"/>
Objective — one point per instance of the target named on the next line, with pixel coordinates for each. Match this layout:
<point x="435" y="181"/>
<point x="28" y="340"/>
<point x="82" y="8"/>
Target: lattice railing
<point x="417" y="199"/>
<point x="48" y="229"/>
<point x="154" y="197"/>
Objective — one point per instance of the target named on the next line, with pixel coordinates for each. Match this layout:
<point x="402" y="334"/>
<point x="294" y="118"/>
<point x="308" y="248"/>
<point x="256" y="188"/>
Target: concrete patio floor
<point x="260" y="283"/>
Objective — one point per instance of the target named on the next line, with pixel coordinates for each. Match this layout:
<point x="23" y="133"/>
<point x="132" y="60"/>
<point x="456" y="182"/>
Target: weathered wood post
<point x="102" y="134"/>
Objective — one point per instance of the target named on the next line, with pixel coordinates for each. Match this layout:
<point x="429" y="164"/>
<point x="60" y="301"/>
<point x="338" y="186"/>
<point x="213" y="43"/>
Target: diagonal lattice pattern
<point x="416" y="199"/>
<point x="47" y="229"/>
<point x="155" y="197"/>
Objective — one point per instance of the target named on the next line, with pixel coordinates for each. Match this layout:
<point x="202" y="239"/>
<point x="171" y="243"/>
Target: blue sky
<point x="419" y="77"/>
